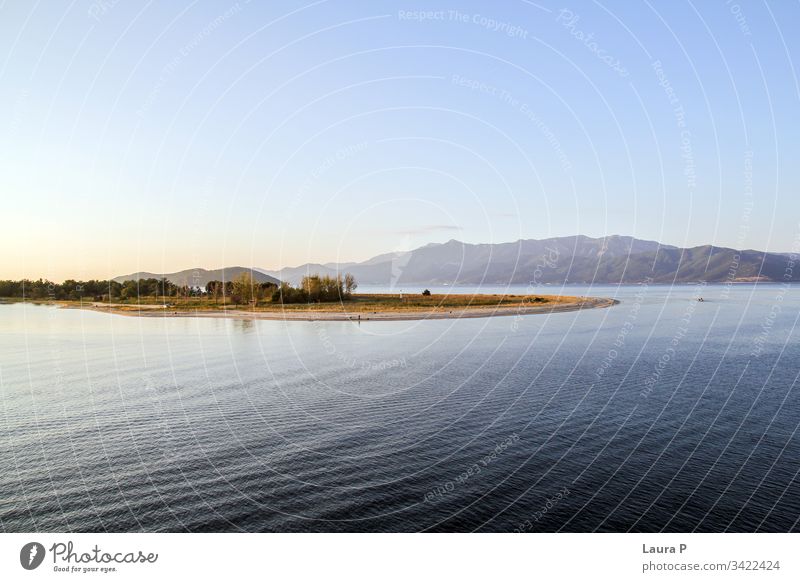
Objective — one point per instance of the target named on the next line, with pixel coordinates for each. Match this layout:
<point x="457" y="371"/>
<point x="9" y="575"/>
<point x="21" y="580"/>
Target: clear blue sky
<point x="163" y="136"/>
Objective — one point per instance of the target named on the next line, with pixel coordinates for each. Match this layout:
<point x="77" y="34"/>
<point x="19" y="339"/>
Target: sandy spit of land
<point x="343" y="315"/>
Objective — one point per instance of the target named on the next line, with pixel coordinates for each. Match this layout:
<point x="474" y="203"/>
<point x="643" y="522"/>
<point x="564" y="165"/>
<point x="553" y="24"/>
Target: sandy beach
<point x="343" y="315"/>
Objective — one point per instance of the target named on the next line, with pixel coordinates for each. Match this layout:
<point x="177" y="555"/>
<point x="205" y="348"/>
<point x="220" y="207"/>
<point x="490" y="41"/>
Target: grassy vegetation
<point x="358" y="303"/>
<point x="315" y="294"/>
<point x="386" y="302"/>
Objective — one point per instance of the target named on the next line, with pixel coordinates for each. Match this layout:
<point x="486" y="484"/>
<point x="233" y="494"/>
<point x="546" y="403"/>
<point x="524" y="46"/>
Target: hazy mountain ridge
<point x="573" y="259"/>
<point x="200" y="277"/>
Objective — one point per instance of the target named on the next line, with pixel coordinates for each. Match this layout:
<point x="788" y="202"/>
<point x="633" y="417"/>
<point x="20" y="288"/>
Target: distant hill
<point x="573" y="259"/>
<point x="200" y="277"/>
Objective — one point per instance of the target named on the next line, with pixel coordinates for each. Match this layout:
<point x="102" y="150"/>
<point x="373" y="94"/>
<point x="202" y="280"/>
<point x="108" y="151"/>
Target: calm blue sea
<point x="660" y="414"/>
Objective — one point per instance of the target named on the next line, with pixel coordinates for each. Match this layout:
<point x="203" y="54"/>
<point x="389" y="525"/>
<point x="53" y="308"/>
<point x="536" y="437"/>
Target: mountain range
<point x="572" y="259"/>
<point x="200" y="277"/>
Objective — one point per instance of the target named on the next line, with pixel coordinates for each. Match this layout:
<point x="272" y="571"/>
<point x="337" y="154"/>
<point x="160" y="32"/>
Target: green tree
<point x="350" y="284"/>
<point x="130" y="290"/>
<point x="246" y="290"/>
<point x="214" y="288"/>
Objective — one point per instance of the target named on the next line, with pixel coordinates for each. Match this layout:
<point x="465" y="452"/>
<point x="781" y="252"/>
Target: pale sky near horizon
<point x="163" y="136"/>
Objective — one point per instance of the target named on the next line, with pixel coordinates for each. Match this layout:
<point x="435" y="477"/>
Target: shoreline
<point x="298" y="315"/>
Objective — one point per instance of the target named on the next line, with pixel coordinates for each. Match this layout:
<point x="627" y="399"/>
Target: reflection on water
<point x="244" y="325"/>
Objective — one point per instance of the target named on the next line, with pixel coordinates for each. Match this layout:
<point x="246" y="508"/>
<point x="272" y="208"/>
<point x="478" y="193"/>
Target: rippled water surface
<point x="662" y="413"/>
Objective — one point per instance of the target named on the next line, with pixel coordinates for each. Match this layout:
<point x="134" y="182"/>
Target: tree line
<point x="242" y="290"/>
<point x="316" y="289"/>
<point x="245" y="289"/>
<point x="93" y="289"/>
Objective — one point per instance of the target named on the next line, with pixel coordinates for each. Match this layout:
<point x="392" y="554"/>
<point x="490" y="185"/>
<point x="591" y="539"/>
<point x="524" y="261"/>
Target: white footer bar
<point x="417" y="557"/>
